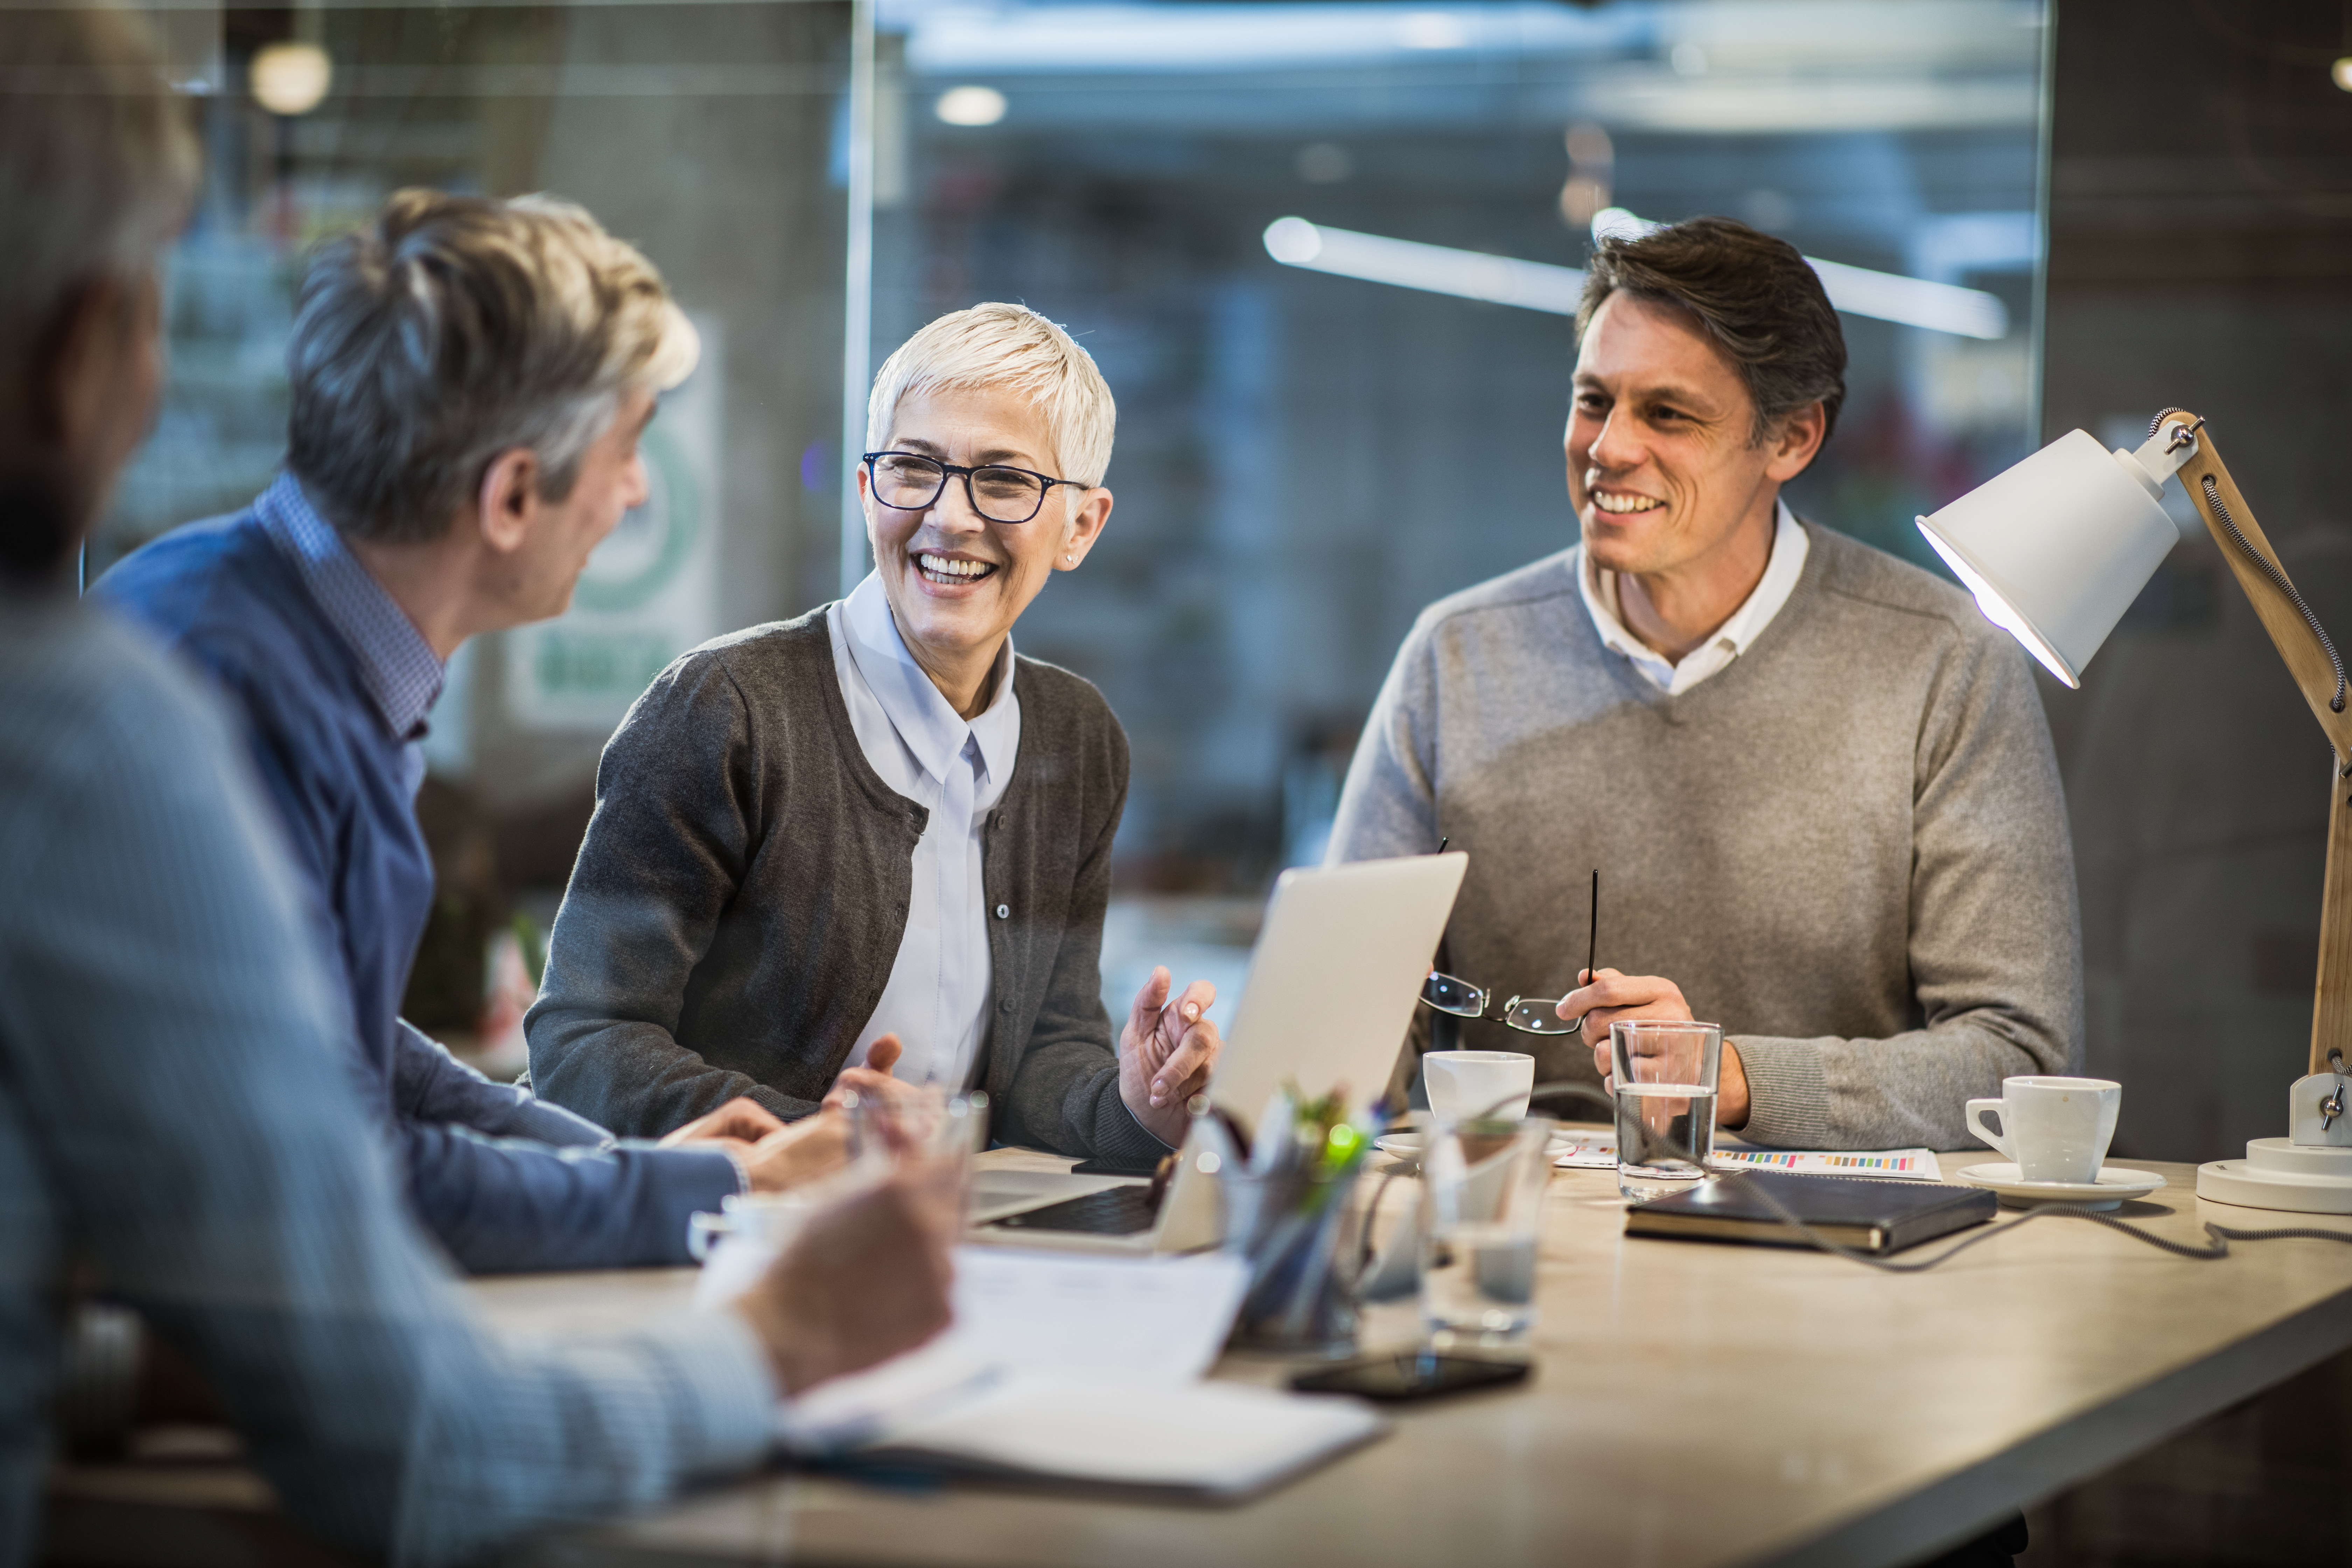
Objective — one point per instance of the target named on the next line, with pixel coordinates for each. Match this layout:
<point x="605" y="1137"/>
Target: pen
<point x="1593" y="931"/>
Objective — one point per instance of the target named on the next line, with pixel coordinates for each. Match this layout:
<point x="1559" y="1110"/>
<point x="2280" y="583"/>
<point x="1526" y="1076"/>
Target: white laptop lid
<point x="1334" y="979"/>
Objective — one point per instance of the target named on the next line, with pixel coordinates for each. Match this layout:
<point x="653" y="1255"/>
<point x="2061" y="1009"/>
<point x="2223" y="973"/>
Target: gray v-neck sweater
<point x="1849" y="847"/>
<point x="743" y="890"/>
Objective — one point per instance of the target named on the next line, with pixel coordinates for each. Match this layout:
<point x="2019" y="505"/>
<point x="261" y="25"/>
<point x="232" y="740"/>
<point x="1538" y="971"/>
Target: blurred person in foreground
<point x="1817" y="781"/>
<point x="877" y="820"/>
<point x="469" y="379"/>
<point x="180" y="1129"/>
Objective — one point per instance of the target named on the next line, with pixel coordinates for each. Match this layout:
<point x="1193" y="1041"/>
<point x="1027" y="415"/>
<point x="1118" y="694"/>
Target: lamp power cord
<point x="2216" y="1247"/>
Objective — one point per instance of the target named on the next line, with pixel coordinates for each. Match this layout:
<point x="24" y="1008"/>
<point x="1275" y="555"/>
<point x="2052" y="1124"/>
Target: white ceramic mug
<point x="2056" y="1129"/>
<point x="1468" y="1083"/>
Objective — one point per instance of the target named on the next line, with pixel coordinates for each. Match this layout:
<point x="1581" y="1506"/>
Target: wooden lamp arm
<point x="2311" y="658"/>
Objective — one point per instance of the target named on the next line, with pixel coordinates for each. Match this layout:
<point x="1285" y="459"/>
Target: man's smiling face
<point x="1662" y="460"/>
<point x="956" y="581"/>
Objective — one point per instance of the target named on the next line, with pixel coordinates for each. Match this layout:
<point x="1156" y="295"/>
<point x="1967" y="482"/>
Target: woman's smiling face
<point x="956" y="581"/>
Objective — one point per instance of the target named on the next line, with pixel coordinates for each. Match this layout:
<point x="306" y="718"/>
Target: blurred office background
<point x="2134" y="205"/>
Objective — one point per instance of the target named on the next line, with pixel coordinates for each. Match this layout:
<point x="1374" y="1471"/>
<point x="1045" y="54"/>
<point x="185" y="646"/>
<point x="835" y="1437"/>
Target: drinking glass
<point x="1482" y="1203"/>
<point x="924" y="1124"/>
<point x="1663" y="1073"/>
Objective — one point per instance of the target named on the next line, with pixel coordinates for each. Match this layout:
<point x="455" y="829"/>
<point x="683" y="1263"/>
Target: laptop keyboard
<point x="1114" y="1211"/>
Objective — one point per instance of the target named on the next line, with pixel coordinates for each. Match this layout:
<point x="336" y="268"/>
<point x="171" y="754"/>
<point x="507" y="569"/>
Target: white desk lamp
<point x="2055" y="550"/>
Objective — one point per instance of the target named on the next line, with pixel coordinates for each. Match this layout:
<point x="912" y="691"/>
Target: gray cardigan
<point x="743" y="886"/>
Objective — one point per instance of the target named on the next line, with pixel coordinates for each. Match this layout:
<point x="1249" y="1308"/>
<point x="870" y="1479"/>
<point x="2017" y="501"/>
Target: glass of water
<point x="1481" y="1205"/>
<point x="919" y="1124"/>
<point x="1663" y="1073"/>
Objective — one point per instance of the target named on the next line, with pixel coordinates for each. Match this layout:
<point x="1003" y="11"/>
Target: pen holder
<point x="1291" y="1231"/>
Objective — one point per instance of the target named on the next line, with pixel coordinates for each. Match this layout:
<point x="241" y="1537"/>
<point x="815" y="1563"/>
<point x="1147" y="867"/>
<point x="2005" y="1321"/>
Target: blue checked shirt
<point x="401" y="673"/>
<point x="330" y="683"/>
<point x="179" y="1126"/>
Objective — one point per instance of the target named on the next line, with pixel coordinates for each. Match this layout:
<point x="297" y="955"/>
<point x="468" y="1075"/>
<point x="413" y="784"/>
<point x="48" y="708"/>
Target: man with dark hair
<point x="1817" y="781"/>
<point x="179" y="1128"/>
<point x="469" y="378"/>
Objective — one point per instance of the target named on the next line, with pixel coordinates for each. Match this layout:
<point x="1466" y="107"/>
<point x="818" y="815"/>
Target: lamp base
<point x="2280" y="1173"/>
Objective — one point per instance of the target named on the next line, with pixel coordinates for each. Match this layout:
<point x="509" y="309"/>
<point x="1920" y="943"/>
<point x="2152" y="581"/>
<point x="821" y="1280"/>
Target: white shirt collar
<point x="1730" y="640"/>
<point x="933" y="731"/>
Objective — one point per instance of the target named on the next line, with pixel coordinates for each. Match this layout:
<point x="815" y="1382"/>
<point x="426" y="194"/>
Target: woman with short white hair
<point x="874" y="824"/>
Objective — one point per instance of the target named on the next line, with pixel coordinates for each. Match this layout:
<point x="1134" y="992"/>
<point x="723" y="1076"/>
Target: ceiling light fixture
<point x="1541" y="286"/>
<point x="292" y="78"/>
<point x="969" y="105"/>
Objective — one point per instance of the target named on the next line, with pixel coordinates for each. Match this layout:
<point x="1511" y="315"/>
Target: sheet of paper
<point x="1221" y="1439"/>
<point x="1158" y="1321"/>
<point x="1901" y="1164"/>
<point x="1592" y="1148"/>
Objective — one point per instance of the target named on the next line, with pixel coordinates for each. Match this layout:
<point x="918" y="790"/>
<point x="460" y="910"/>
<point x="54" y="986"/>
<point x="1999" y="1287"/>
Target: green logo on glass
<point x="644" y="554"/>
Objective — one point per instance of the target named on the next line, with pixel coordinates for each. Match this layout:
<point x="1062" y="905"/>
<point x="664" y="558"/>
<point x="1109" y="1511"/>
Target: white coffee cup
<point x="1468" y="1083"/>
<point x="2056" y="1129"/>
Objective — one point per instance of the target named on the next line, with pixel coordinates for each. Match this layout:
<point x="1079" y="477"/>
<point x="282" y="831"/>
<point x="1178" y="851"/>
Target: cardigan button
<point x="1004" y="1004"/>
<point x="1004" y="912"/>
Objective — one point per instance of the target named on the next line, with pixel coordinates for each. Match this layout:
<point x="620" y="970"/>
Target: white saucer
<point x="1407" y="1146"/>
<point x="2115" y="1184"/>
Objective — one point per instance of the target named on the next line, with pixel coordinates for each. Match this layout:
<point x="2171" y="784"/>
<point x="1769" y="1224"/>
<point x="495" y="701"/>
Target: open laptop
<point x="1332" y="983"/>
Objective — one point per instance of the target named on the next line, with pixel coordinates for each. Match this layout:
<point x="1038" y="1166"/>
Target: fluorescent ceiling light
<point x="970" y="106"/>
<point x="1540" y="286"/>
<point x="1913" y="302"/>
<point x="1156" y="39"/>
<point x="1432" y="30"/>
<point x="1432" y="268"/>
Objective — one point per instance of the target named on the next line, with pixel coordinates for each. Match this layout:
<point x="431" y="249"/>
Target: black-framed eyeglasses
<point x="907" y="481"/>
<point x="1528" y="1015"/>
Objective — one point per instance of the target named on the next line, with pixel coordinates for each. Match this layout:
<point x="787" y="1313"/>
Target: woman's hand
<point x="873" y="1080"/>
<point x="742" y="1120"/>
<point x="1165" y="1054"/>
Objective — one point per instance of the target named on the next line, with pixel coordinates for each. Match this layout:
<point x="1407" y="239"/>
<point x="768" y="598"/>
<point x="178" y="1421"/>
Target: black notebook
<point x="1854" y="1211"/>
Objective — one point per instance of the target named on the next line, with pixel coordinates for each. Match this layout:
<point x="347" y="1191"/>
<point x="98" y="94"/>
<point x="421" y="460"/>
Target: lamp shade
<point x="2057" y="548"/>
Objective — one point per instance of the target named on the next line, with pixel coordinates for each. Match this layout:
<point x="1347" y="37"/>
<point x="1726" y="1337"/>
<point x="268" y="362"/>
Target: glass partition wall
<point x="1307" y="458"/>
<point x="1306" y="454"/>
<point x="703" y="132"/>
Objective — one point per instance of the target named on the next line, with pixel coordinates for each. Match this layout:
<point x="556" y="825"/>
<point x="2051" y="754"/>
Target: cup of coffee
<point x="1465" y="1084"/>
<point x="2056" y="1129"/>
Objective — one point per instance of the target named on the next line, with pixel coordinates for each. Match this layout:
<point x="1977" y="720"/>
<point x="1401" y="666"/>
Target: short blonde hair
<point x="97" y="164"/>
<point x="454" y="328"/>
<point x="1009" y="346"/>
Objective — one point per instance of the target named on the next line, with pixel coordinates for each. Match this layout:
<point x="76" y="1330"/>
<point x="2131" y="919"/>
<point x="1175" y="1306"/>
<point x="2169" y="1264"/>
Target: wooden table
<point x="1691" y="1404"/>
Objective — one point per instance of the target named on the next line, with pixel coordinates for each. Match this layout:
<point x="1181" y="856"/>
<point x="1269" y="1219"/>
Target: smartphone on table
<point x="1410" y="1374"/>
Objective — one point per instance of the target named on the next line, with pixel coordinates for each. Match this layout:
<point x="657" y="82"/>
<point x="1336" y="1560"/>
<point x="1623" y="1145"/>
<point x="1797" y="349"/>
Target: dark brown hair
<point x="1760" y="301"/>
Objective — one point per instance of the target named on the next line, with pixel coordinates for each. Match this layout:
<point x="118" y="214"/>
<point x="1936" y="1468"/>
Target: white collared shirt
<point x="1728" y="641"/>
<point x="936" y="1001"/>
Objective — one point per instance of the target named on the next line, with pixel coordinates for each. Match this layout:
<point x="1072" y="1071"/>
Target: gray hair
<point x="455" y="327"/>
<point x="1010" y="346"/>
<point x="97" y="166"/>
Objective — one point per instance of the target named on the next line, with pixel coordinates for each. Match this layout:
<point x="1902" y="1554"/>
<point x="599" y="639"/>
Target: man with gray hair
<point x="179" y="1128"/>
<point x="469" y="378"/>
<point x="1819" y="782"/>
